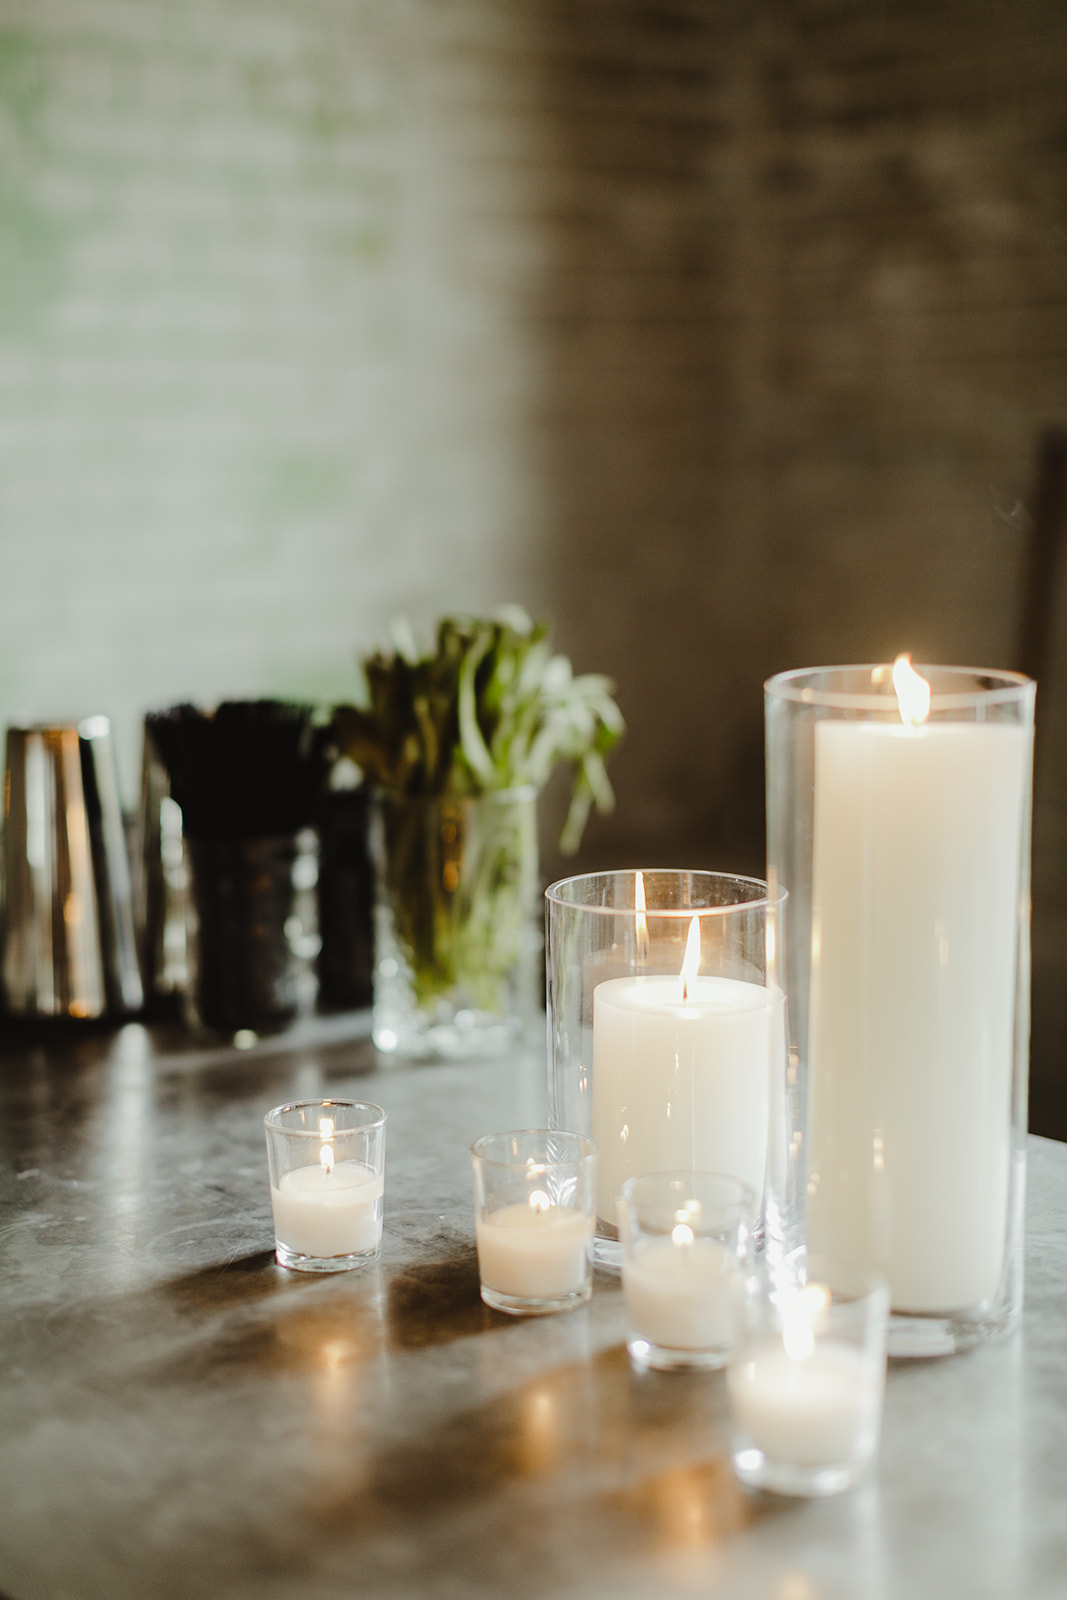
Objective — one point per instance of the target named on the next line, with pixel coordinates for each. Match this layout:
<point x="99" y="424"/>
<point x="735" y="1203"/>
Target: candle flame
<point x="800" y="1317"/>
<point x="913" y="692"/>
<point x="816" y="1299"/>
<point x="539" y="1201"/>
<point x="682" y="1234"/>
<point x="798" y="1339"/>
<point x="691" y="961"/>
<point x="640" y="920"/>
<point x="326" y="1148"/>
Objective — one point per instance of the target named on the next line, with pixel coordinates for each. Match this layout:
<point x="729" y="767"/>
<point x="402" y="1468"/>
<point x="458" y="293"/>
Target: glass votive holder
<point x="687" y="1249"/>
<point x="667" y="1028"/>
<point x="327" y="1179"/>
<point x="534" y="1216"/>
<point x="807" y="1380"/>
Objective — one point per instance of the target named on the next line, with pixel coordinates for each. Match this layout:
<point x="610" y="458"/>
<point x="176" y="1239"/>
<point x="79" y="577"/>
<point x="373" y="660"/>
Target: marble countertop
<point x="181" y="1417"/>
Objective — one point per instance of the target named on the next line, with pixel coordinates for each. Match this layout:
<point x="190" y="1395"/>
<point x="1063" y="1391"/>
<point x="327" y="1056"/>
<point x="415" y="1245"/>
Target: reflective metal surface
<point x="180" y="1417"/>
<point x="69" y="947"/>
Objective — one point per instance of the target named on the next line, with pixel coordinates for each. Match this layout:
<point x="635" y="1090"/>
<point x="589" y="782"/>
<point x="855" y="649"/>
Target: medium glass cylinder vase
<point x="902" y="834"/>
<point x="666" y="1030"/>
<point x="457" y="952"/>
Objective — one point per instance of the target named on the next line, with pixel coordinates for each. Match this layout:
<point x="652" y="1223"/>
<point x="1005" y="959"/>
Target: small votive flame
<point x="326" y="1156"/>
<point x="691" y="960"/>
<point x="912" y="691"/>
<point x="640" y="920"/>
<point x="798" y="1339"/>
<point x="682" y="1233"/>
<point x="539" y="1201"/>
<point x="801" y="1316"/>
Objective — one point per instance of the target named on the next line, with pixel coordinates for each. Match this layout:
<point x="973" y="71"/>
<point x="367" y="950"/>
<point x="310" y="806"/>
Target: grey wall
<point x="721" y="332"/>
<point x="806" y="314"/>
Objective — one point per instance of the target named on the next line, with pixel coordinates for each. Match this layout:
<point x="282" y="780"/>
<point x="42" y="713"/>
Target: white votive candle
<point x="819" y="1411"/>
<point x="681" y="1296"/>
<point x="325" y="1211"/>
<point x="532" y="1253"/>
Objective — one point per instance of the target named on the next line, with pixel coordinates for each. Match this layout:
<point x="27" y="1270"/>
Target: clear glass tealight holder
<point x="807" y="1380"/>
<point x="327" y="1178"/>
<point x="687" y="1249"/>
<point x="534" y="1215"/>
<point x="667" y="1029"/>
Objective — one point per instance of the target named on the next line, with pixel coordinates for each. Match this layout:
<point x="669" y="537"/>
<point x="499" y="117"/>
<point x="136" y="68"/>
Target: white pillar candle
<point x="680" y="1084"/>
<point x="822" y="1410"/>
<point x="532" y="1252"/>
<point x="326" y="1211"/>
<point x="916" y="884"/>
<point x="681" y="1295"/>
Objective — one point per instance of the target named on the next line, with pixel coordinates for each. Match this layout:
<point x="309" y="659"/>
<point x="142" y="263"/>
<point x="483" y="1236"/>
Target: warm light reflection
<point x="912" y="691"/>
<point x="539" y="1432"/>
<point x="337" y="1353"/>
<point x="689" y="1503"/>
<point x="691" y="960"/>
<point x="795" y="1585"/>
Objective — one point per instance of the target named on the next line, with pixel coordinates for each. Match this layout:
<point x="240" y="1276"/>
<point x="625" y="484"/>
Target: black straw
<point x="250" y="769"/>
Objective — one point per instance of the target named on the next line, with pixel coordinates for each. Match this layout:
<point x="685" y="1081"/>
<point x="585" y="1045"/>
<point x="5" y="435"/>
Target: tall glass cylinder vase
<point x="457" y="950"/>
<point x="902" y="834"/>
<point x="666" y="1030"/>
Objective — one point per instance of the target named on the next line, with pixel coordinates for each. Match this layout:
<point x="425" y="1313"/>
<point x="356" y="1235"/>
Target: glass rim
<point x="768" y="896"/>
<point x="584" y="1147"/>
<point x="272" y="1118"/>
<point x="990" y="687"/>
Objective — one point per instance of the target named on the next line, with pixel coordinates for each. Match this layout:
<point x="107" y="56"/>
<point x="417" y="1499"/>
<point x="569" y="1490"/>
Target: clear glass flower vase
<point x="457" y="950"/>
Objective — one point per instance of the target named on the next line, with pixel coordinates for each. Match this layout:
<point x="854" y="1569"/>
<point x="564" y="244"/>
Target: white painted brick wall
<point x="723" y="332"/>
<point x="248" y="409"/>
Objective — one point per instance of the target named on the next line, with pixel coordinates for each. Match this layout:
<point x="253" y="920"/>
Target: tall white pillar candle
<point x="916" y="884"/>
<point x="681" y="1083"/>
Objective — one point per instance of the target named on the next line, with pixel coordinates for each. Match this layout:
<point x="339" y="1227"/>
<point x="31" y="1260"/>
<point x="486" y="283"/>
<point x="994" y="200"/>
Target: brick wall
<point x="246" y="410"/>
<point x="723" y="332"/>
<point x="806" y="315"/>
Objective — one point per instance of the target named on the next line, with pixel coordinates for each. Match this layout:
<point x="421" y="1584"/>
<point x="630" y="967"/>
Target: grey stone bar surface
<point x="179" y="1416"/>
